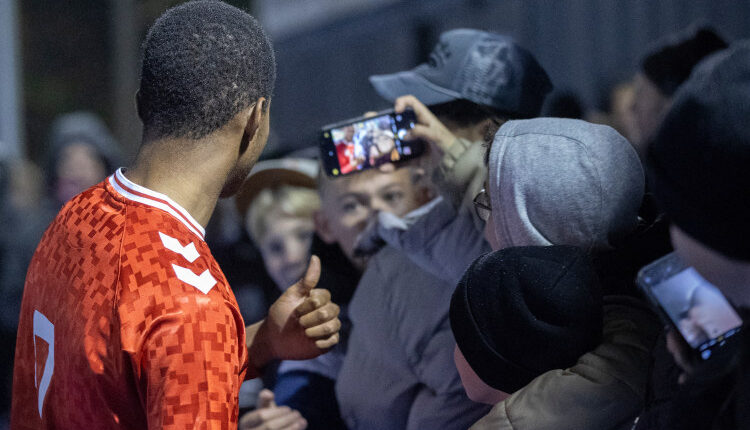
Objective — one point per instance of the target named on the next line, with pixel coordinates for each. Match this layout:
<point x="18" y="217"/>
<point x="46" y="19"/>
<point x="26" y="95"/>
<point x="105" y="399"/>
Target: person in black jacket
<point x="698" y="167"/>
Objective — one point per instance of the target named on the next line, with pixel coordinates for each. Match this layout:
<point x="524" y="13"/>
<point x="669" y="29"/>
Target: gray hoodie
<point x="563" y="182"/>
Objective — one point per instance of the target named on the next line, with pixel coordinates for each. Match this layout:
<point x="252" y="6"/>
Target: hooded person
<point x="562" y="182"/>
<point x="559" y="181"/>
<point x="82" y="152"/>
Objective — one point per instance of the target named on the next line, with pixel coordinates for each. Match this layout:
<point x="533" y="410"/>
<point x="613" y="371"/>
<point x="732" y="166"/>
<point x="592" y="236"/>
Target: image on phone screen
<point x="697" y="308"/>
<point x="367" y="143"/>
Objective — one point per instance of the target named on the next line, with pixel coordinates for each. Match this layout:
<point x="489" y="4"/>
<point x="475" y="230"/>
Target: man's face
<point x="384" y="141"/>
<point x="649" y="107"/>
<point x="349" y="133"/>
<point x="78" y="168"/>
<point x="349" y="202"/>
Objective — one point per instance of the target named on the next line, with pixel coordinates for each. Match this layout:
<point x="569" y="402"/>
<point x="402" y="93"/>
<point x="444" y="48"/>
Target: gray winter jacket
<point x="398" y="372"/>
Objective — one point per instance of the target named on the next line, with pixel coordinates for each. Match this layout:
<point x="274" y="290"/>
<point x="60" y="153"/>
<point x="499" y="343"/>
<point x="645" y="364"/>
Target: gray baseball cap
<point x="482" y="67"/>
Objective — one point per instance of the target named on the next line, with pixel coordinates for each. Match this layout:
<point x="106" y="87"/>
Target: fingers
<point x="676" y="347"/>
<point x="420" y="110"/>
<point x="428" y="126"/>
<point x="420" y="131"/>
<point x="265" y="399"/>
<point x="303" y="287"/>
<point x="387" y="168"/>
<point x="316" y="299"/>
<point x="324" y="330"/>
<point x="274" y="418"/>
<point x="370" y="114"/>
<point x="321" y="315"/>
<point x="289" y="421"/>
<point x="327" y="343"/>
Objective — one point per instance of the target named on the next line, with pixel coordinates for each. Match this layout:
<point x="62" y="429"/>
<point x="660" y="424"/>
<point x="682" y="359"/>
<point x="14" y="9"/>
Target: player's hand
<point x="428" y="126"/>
<point x="268" y="416"/>
<point x="303" y="323"/>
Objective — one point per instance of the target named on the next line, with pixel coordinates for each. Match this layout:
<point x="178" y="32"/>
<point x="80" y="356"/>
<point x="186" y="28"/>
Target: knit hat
<point x="484" y="68"/>
<point x="520" y="312"/>
<point x="699" y="160"/>
<point x="669" y="65"/>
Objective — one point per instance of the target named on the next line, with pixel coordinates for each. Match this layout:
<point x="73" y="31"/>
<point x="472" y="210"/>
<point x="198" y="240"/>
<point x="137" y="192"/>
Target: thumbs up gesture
<point x="268" y="416"/>
<point x="303" y="323"/>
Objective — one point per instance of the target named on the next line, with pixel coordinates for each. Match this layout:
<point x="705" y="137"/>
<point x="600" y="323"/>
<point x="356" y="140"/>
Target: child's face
<point x="285" y="247"/>
<point x="475" y="388"/>
<point x="349" y="202"/>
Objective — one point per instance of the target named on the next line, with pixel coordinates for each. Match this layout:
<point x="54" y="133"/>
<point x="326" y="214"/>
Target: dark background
<point x="82" y="54"/>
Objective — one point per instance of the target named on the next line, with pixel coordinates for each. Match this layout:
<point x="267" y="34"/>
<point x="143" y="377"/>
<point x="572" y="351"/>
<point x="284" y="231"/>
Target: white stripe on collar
<point x="138" y="193"/>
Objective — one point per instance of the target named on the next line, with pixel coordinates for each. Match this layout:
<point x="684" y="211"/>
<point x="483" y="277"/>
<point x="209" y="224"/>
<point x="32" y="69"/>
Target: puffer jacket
<point x="605" y="389"/>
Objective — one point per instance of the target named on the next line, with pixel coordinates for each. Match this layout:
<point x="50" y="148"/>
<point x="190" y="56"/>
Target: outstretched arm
<point x="302" y="324"/>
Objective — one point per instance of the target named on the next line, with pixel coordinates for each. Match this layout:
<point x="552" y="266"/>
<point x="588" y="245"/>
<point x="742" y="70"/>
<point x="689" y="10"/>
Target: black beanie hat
<point x="669" y="65"/>
<point x="520" y="312"/>
<point x="699" y="159"/>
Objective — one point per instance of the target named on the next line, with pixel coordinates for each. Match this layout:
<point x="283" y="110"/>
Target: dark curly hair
<point x="203" y="62"/>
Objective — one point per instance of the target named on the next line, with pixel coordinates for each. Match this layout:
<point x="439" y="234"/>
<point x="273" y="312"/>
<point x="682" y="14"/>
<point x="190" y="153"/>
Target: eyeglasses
<point x="482" y="205"/>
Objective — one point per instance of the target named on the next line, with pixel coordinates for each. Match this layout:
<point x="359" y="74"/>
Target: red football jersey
<point x="127" y="320"/>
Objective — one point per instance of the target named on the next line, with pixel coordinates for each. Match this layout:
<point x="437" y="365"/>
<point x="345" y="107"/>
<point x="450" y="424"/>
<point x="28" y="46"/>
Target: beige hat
<point x="296" y="172"/>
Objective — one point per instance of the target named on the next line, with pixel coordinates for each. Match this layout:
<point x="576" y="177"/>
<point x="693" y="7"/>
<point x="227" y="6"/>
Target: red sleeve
<point x="189" y="367"/>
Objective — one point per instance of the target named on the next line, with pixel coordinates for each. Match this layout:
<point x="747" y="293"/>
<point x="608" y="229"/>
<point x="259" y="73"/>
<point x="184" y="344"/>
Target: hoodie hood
<point x="82" y="127"/>
<point x="555" y="181"/>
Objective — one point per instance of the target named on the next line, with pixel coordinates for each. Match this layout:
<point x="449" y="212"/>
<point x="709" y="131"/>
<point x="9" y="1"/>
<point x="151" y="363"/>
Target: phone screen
<point x="363" y="143"/>
<point x="702" y="315"/>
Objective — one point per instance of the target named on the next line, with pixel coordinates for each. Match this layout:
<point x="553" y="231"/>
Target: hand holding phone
<point x="428" y="127"/>
<point x="366" y="142"/>
<point x="705" y="320"/>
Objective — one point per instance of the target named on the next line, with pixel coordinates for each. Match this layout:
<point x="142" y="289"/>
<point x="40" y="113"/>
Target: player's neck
<point x="193" y="178"/>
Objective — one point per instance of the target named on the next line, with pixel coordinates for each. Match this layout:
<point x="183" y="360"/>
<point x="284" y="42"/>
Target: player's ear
<point x="252" y="136"/>
<point x="255" y="118"/>
<point x="323" y="228"/>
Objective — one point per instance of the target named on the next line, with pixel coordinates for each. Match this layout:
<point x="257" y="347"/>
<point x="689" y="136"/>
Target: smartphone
<point x="693" y="306"/>
<point x="361" y="143"/>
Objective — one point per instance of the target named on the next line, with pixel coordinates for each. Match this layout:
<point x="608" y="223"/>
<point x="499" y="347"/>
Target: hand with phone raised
<point x="428" y="127"/>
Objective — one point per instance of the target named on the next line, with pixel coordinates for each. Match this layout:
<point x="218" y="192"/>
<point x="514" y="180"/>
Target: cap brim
<point x="270" y="177"/>
<point x="395" y="85"/>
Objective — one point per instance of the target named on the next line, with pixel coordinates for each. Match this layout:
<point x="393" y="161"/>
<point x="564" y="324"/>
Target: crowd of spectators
<point x="491" y="282"/>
